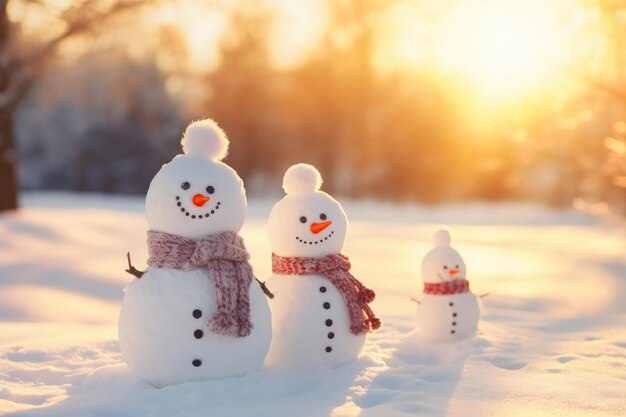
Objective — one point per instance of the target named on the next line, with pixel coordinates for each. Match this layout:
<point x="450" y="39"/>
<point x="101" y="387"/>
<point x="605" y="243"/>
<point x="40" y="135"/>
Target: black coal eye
<point x="185" y="185"/>
<point x="210" y="189"/>
<point x="323" y="216"/>
<point x="456" y="267"/>
<point x="302" y="219"/>
<point x="445" y="267"/>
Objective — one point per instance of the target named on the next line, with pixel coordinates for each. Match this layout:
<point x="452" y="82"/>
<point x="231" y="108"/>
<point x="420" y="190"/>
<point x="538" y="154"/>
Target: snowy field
<point x="552" y="341"/>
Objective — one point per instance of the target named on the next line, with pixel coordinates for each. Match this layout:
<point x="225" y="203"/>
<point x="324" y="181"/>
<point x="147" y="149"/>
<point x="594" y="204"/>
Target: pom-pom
<point x="441" y="237"/>
<point x="206" y="139"/>
<point x="302" y="178"/>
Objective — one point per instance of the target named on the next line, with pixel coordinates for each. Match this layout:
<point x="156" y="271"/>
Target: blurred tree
<point x="606" y="177"/>
<point x="340" y="101"/>
<point x="425" y="154"/>
<point x="392" y="138"/>
<point x="242" y="94"/>
<point x="23" y="60"/>
<point x="576" y="144"/>
<point x="373" y="135"/>
<point x="86" y="124"/>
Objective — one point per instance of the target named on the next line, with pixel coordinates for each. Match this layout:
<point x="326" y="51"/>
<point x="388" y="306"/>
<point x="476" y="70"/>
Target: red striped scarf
<point x="335" y="268"/>
<point x="456" y="286"/>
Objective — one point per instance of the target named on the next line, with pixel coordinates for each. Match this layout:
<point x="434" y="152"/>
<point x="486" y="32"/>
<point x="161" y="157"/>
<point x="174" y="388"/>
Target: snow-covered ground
<point x="552" y="340"/>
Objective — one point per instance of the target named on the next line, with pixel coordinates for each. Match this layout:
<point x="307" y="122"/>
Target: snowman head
<point x="307" y="222"/>
<point x="442" y="263"/>
<point x="195" y="194"/>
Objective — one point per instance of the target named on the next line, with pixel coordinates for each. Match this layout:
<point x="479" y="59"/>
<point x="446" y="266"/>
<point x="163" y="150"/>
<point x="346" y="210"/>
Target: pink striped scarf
<point x="456" y="286"/>
<point x="227" y="259"/>
<point x="335" y="268"/>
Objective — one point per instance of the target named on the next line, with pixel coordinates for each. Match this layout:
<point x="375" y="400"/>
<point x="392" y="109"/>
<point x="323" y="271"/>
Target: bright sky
<point x="499" y="50"/>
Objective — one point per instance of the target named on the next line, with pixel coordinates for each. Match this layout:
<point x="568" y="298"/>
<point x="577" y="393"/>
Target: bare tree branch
<point x="77" y="27"/>
<point x="24" y="70"/>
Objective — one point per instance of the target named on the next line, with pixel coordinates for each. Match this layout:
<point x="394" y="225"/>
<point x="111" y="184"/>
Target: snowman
<point x="196" y="312"/>
<point x="448" y="310"/>
<point x="320" y="312"/>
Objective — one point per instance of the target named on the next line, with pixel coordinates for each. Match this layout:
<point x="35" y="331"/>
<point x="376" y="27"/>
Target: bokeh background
<point x="425" y="101"/>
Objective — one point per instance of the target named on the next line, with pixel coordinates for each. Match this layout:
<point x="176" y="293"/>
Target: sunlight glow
<point x="503" y="47"/>
<point x="499" y="49"/>
<point x="201" y="30"/>
<point x="491" y="55"/>
<point x="299" y="25"/>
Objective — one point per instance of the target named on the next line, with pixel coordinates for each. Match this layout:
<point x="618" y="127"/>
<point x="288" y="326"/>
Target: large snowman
<point x="320" y="313"/>
<point x="448" y="310"/>
<point x="196" y="312"/>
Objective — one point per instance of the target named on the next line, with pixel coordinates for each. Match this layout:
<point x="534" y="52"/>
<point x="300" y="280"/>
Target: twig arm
<point x="266" y="290"/>
<point x="131" y="269"/>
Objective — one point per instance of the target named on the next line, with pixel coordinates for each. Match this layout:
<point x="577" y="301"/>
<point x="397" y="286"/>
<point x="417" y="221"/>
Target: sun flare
<point x="500" y="49"/>
<point x="503" y="48"/>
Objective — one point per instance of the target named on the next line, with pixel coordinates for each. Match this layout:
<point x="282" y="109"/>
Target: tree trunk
<point x="8" y="154"/>
<point x="8" y="163"/>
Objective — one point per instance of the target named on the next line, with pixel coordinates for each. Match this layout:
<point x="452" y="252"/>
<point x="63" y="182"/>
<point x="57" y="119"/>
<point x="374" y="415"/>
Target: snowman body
<point x="448" y="317"/>
<point x="163" y="332"/>
<point x="163" y="329"/>
<point x="310" y="323"/>
<point x="450" y="311"/>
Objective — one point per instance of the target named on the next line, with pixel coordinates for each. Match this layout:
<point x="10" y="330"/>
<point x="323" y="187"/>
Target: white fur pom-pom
<point x="206" y="139"/>
<point x="441" y="238"/>
<point x="302" y="178"/>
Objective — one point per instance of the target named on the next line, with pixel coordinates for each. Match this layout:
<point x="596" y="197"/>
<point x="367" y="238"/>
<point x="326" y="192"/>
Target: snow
<point x="552" y="340"/>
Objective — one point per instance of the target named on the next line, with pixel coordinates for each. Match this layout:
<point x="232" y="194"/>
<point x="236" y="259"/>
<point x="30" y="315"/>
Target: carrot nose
<point x="318" y="227"/>
<point x="200" y="199"/>
<point x="454" y="271"/>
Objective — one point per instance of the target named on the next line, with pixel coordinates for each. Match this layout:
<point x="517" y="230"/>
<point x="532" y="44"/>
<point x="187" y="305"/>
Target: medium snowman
<point x="448" y="310"/>
<point x="320" y="313"/>
<point x="196" y="313"/>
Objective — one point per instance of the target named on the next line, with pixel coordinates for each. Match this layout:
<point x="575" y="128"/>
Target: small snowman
<point x="320" y="313"/>
<point x="448" y="310"/>
<point x="196" y="312"/>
